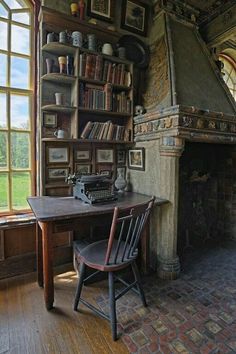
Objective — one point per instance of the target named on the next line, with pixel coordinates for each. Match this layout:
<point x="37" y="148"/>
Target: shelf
<point x="57" y="108"/>
<point x="58" y="48"/>
<point x="103" y="112"/>
<point x="61" y="78"/>
<point x="86" y="141"/>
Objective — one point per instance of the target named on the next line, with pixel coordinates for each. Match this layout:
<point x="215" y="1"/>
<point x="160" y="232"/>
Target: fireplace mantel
<point x="189" y="123"/>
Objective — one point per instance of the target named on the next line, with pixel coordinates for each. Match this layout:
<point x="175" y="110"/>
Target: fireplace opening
<point x="207" y="196"/>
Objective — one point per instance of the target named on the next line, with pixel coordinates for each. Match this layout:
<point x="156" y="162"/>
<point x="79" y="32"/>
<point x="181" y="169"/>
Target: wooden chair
<point x="117" y="252"/>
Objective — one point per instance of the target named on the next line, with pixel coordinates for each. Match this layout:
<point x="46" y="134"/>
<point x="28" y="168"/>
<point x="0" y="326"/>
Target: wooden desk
<point x="55" y="215"/>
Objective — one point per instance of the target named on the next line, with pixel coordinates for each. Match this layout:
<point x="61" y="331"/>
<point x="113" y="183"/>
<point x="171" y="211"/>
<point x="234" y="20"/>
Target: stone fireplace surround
<point x="168" y="136"/>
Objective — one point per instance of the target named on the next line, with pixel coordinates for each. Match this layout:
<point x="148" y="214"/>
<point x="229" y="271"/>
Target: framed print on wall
<point x="104" y="155"/>
<point x="58" y="173"/>
<point x="82" y="169"/>
<point x="101" y="9"/>
<point x="136" y="159"/>
<point x="57" y="155"/>
<point x="121" y="157"/>
<point x="49" y="120"/>
<point x="134" y="16"/>
<point x="82" y="155"/>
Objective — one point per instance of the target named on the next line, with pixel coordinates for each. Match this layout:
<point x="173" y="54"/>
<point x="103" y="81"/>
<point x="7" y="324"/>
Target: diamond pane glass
<point x="20" y="40"/>
<point x="3" y="35"/>
<point x="4" y="187"/>
<point x="19" y="72"/>
<point x="16" y="4"/>
<point x="19" y="112"/>
<point x="3" y="110"/>
<point x="3" y="11"/>
<point x="20" y="150"/>
<point x="21" y="189"/>
<point x="3" y="71"/>
<point x="3" y="151"/>
<point x="22" y="17"/>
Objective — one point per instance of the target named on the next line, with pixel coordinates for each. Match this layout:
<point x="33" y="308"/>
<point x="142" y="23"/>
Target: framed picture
<point x="49" y="119"/>
<point x="105" y="155"/>
<point x="82" y="169"/>
<point x="121" y="154"/>
<point x="136" y="159"/>
<point x="58" y="155"/>
<point x="134" y="16"/>
<point x="82" y="155"/>
<point x="101" y="9"/>
<point x="58" y="173"/>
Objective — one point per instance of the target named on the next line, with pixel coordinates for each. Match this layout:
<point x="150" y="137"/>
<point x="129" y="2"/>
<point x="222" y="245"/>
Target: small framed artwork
<point x="58" y="173"/>
<point x="57" y="155"/>
<point x="105" y="155"/>
<point x="134" y="16"/>
<point x="82" y="155"/>
<point x="121" y="155"/>
<point x="49" y="120"/>
<point x="101" y="9"/>
<point x="136" y="159"/>
<point x="82" y="169"/>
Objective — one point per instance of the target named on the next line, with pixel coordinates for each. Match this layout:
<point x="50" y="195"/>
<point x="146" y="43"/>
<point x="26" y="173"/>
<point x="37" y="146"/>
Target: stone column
<point x="171" y="149"/>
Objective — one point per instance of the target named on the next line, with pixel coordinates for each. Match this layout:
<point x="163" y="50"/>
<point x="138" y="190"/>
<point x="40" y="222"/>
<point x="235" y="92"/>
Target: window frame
<point x="31" y="92"/>
<point x="232" y="63"/>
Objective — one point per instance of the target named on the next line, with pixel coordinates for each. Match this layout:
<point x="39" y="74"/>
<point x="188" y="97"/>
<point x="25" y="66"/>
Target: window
<point x="16" y="105"/>
<point x="229" y="73"/>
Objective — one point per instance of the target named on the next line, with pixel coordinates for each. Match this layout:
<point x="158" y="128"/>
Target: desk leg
<point x="39" y="254"/>
<point x="48" y="263"/>
<point x="145" y="248"/>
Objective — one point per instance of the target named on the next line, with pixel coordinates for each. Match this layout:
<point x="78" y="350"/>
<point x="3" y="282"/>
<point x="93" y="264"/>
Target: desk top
<point x="56" y="208"/>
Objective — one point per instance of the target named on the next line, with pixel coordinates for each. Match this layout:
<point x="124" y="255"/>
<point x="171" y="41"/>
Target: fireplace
<point x="206" y="195"/>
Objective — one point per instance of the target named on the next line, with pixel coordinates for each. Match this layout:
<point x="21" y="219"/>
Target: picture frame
<point x="136" y="159"/>
<point x="82" y="155"/>
<point x="121" y="157"/>
<point x="57" y="155"/>
<point x="82" y="169"/>
<point x="49" y="119"/>
<point x="57" y="173"/>
<point x="101" y="9"/>
<point x="134" y="16"/>
<point x="105" y="156"/>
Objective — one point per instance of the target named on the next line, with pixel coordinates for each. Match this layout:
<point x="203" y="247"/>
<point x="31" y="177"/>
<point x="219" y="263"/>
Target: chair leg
<point x="80" y="285"/>
<point x="112" y="302"/>
<point x="139" y="283"/>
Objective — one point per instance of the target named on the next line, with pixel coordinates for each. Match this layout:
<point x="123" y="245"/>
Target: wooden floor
<point x="26" y="327"/>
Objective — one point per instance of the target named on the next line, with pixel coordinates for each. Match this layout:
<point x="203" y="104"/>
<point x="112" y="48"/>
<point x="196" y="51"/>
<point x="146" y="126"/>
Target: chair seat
<point x="94" y="256"/>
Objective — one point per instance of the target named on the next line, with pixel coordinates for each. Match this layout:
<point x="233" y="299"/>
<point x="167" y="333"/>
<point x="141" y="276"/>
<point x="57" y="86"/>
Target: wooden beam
<point x="221" y="28"/>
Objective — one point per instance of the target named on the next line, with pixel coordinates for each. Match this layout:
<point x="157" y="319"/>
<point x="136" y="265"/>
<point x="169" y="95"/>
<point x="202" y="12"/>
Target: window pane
<point x="21" y="189"/>
<point x="19" y="72"/>
<point x="4" y="187"/>
<point x="15" y="4"/>
<point x="20" y="40"/>
<point x="3" y="110"/>
<point x="3" y="71"/>
<point x="20" y="150"/>
<point x="19" y="112"/>
<point x="22" y="17"/>
<point x="3" y="35"/>
<point x="3" y="11"/>
<point x="3" y="151"/>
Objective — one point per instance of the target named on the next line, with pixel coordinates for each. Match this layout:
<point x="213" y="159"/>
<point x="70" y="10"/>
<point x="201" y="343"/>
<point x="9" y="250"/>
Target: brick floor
<point x="193" y="314"/>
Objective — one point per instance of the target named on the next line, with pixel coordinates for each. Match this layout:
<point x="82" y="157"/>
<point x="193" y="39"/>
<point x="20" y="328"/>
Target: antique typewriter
<point x="92" y="188"/>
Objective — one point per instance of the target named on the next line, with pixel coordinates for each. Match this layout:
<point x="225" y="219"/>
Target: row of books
<point x="103" y="98"/>
<point x="105" y="131"/>
<point x="93" y="66"/>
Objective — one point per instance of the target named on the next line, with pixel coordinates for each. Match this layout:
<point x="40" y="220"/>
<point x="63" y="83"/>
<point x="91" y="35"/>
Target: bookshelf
<point x="95" y="112"/>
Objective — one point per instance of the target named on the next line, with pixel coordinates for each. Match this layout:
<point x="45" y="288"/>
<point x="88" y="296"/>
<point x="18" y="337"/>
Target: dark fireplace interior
<point x="207" y="195"/>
